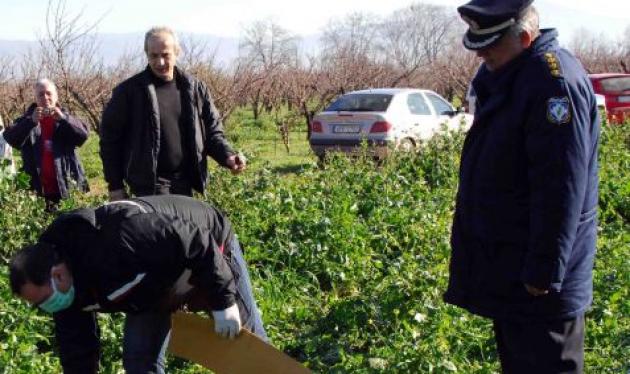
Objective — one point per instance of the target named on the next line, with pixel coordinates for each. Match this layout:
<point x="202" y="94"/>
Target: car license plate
<point x="624" y="99"/>
<point x="347" y="129"/>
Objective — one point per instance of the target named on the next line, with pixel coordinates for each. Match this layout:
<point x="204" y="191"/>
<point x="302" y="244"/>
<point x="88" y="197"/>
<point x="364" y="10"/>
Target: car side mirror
<point x="450" y="113"/>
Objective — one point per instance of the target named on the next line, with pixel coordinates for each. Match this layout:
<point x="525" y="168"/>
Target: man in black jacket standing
<point x="146" y="257"/>
<point x="47" y="137"/>
<point x="159" y="127"/>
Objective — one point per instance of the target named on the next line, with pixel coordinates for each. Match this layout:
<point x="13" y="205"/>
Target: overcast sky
<point x="23" y="19"/>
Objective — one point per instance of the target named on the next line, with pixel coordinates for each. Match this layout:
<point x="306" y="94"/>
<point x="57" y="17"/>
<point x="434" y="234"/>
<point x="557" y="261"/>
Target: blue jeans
<point x="146" y="335"/>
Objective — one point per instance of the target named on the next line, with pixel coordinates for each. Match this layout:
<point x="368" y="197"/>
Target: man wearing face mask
<point x="525" y="227"/>
<point x="47" y="137"/>
<point x="160" y="126"/>
<point x="146" y="257"/>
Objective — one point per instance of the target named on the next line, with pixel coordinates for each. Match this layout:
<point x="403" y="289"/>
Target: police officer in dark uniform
<point x="524" y="230"/>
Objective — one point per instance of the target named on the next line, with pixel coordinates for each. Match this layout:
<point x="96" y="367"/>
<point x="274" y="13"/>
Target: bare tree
<point x="598" y="53"/>
<point x="349" y="51"/>
<point x="69" y="56"/>
<point x="199" y="59"/>
<point x="352" y="37"/>
<point x="415" y="36"/>
<point x="452" y="73"/>
<point x="350" y="57"/>
<point x="416" y="46"/>
<point x="625" y="50"/>
<point x="17" y="84"/>
<point x="196" y="54"/>
<point x="268" y="45"/>
<point x="6" y="75"/>
<point x="267" y="50"/>
<point x="230" y="87"/>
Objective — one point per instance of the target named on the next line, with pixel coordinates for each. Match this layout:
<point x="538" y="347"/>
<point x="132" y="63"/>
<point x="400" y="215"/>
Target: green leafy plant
<point x="349" y="263"/>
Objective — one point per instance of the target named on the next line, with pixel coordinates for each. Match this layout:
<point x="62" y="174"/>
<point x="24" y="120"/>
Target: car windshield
<point x="361" y="103"/>
<point x="618" y="84"/>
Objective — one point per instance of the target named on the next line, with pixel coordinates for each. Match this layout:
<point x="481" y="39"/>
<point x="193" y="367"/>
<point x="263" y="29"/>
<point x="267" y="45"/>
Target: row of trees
<point x="600" y="54"/>
<point x="417" y="46"/>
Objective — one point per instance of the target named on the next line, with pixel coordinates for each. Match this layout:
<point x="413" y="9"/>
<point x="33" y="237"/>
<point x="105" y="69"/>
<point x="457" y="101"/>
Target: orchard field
<point x="349" y="260"/>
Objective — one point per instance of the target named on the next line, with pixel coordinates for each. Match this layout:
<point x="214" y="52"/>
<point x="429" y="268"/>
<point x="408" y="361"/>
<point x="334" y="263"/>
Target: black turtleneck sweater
<point x="171" y="157"/>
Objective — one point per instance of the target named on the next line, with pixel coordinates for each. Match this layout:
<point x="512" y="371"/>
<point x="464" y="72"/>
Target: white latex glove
<point x="227" y="322"/>
<point x="116" y="195"/>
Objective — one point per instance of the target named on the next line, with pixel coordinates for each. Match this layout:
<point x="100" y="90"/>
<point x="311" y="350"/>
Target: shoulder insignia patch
<point x="553" y="64"/>
<point x="559" y="110"/>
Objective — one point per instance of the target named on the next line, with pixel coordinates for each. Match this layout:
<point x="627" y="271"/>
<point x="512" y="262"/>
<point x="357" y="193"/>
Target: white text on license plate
<point x="347" y="129"/>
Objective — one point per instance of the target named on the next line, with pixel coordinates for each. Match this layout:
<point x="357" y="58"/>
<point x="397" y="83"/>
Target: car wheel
<point x="321" y="160"/>
<point x="407" y="145"/>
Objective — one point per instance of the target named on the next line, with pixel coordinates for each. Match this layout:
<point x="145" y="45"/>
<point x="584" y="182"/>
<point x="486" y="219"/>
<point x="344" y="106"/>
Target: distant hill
<point x="15" y="47"/>
<point x="112" y="46"/>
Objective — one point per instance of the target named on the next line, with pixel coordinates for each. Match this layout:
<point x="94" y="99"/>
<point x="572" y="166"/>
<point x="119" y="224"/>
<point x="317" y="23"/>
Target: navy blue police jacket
<point x="527" y="198"/>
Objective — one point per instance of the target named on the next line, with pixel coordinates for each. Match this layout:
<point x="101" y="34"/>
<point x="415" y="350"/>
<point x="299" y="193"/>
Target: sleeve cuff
<point x="541" y="274"/>
<point x="222" y="303"/>
<point x="227" y="155"/>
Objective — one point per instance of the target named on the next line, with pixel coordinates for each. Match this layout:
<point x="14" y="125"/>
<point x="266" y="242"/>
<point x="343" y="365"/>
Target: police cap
<point x="488" y="20"/>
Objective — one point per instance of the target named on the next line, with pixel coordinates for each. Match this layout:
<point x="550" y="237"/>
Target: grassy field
<point x="348" y="261"/>
<point x="257" y="140"/>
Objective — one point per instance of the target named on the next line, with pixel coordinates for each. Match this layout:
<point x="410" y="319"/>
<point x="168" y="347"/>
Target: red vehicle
<point x="615" y="87"/>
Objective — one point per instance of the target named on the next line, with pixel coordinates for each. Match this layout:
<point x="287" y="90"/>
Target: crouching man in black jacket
<point x="146" y="257"/>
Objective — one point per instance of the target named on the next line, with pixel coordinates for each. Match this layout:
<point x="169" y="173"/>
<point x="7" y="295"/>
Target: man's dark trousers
<point x="146" y="335"/>
<point x="554" y="347"/>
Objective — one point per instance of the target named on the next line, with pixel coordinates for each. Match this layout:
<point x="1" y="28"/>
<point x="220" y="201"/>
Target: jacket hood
<point x="548" y="39"/>
<point x="71" y="231"/>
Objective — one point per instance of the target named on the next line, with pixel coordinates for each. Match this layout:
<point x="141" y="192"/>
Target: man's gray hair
<point x="45" y="82"/>
<point x="527" y="20"/>
<point x="161" y="30"/>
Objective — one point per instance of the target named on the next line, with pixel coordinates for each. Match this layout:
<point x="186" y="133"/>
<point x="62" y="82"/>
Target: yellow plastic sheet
<point x="193" y="338"/>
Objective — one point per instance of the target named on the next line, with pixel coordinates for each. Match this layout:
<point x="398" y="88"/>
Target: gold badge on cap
<point x="471" y="23"/>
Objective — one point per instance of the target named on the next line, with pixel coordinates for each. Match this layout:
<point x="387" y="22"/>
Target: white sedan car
<point x="386" y="118"/>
